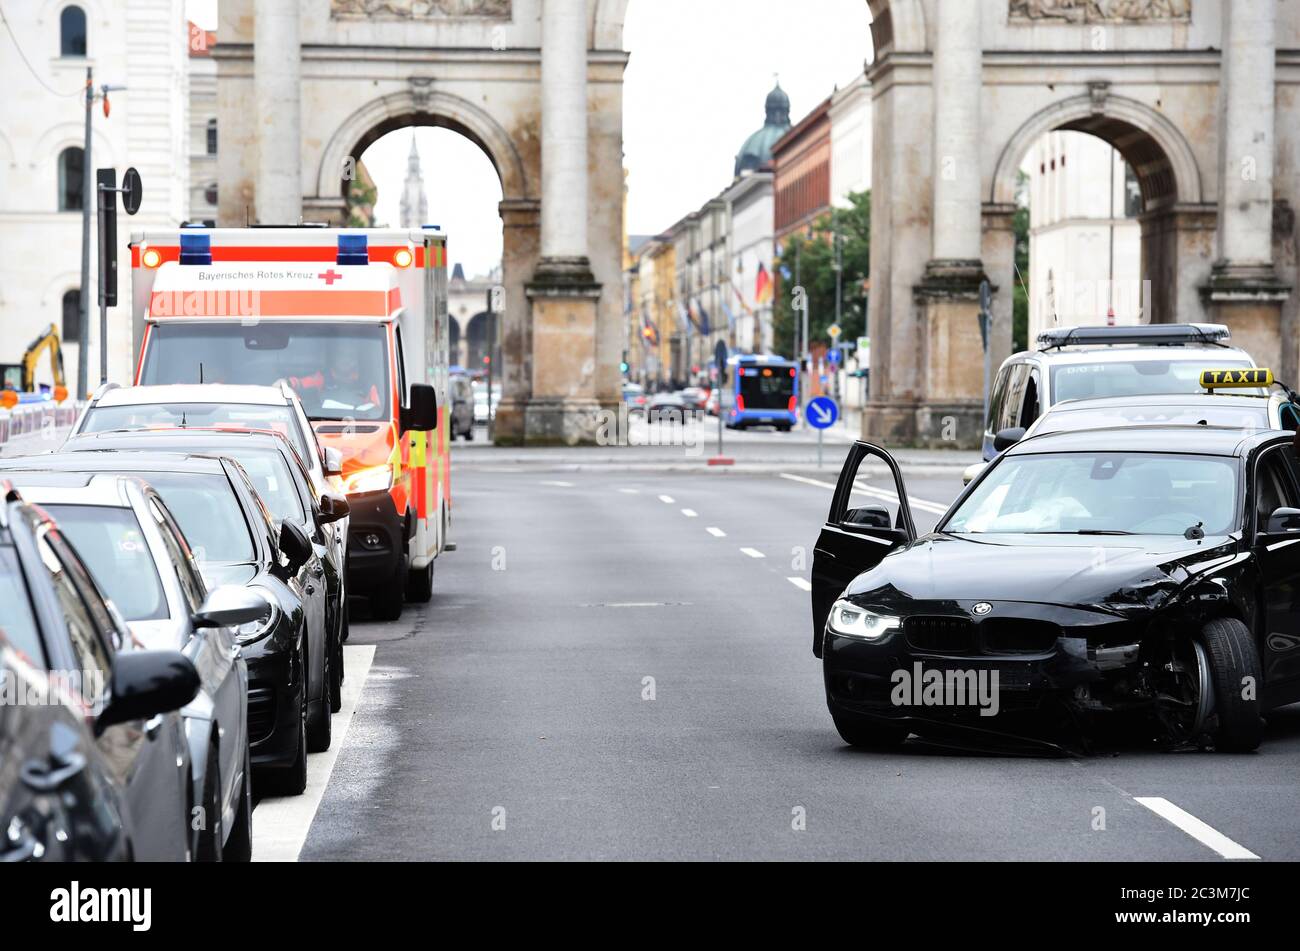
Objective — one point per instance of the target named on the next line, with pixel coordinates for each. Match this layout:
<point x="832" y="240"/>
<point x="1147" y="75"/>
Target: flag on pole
<point x="701" y="318"/>
<point x="649" y="332"/>
<point x="762" y="286"/>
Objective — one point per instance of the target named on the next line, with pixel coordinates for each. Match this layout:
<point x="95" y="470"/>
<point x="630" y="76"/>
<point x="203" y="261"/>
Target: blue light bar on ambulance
<point x="353" y="249"/>
<point x="1149" y="334"/>
<point x="196" y="248"/>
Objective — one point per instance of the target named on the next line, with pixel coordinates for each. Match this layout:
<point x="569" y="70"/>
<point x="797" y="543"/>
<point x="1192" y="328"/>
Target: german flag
<point x="762" y="285"/>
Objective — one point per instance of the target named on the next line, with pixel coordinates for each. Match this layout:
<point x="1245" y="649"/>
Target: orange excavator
<point x="18" y="381"/>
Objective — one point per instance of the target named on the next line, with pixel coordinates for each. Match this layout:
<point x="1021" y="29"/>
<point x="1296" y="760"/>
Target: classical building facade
<point x="42" y="133"/>
<point x="801" y="161"/>
<point x="1198" y="95"/>
<point x="306" y="85"/>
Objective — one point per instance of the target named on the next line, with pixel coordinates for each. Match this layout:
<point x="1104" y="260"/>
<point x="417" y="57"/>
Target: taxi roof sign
<point x="1227" y="379"/>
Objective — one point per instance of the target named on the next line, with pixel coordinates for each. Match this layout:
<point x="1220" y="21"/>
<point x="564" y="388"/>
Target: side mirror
<point x="1284" y="521"/>
<point x="1006" y="438"/>
<point x="230" y="606"/>
<point x="422" y="414"/>
<point x="333" y="507"/>
<point x="333" y="464"/>
<point x="867" y="517"/>
<point x="972" y="471"/>
<point x="147" y="683"/>
<point x="294" y="545"/>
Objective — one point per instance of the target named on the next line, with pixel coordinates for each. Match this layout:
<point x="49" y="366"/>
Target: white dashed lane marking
<point x="690" y="513"/>
<point x="753" y="553"/>
<point x="666" y="499"/>
<point x="716" y="532"/>
<point x="800" y="583"/>
<point x="1202" y="832"/>
<point x="934" y="508"/>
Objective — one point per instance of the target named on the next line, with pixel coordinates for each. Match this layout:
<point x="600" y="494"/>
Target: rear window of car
<point x="208" y="512"/>
<point x="110" y="542"/>
<point x="17" y="621"/>
<point x="280" y="419"/>
<point x="1145" y="377"/>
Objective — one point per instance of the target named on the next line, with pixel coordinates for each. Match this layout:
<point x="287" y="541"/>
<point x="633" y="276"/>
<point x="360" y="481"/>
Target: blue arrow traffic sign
<point x="822" y="412"/>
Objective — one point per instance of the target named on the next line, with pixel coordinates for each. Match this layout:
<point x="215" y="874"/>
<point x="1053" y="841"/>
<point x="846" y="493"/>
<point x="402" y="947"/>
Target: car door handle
<point x="153" y="728"/>
<point x="47" y="776"/>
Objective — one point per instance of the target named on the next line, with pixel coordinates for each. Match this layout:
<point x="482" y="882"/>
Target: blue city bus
<point x="761" y="391"/>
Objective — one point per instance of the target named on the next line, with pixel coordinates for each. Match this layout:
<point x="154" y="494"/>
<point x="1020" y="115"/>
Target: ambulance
<point x="355" y="321"/>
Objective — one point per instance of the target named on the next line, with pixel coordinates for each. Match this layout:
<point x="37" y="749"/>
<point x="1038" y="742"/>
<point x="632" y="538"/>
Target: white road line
<point x="1198" y="830"/>
<point x="666" y="499"/>
<point x="562" y="485"/>
<point x="716" y="532"/>
<point x="800" y="583"/>
<point x="690" y="513"/>
<point x="753" y="553"/>
<point x="281" y="824"/>
<point x="630" y="491"/>
<point x="925" y="505"/>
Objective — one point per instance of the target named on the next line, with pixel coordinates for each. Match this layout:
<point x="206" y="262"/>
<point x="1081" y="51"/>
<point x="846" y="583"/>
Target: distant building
<point x="802" y="162"/>
<point x="757" y="150"/>
<point x="750" y="287"/>
<point x="851" y="140"/>
<point x="1084" y="237"/>
<point x="203" y="140"/>
<point x="415" y="203"/>
<point x="471" y="327"/>
<point x="142" y="44"/>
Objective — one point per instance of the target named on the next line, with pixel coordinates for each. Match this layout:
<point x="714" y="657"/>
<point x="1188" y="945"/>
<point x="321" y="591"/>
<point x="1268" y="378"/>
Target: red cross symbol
<point x="330" y="276"/>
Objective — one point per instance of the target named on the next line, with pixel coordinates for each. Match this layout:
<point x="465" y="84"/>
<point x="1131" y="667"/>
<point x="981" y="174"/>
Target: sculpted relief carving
<point x="1101" y="11"/>
<point x="419" y="9"/>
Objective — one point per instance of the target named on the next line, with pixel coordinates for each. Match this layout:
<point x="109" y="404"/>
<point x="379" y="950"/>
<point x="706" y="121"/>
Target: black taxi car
<point x="1114" y="576"/>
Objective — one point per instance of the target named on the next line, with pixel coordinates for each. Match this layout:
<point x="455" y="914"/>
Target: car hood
<point x="1119" y="573"/>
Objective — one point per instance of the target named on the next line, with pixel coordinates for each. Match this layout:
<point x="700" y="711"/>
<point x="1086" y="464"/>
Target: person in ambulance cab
<point x="338" y="387"/>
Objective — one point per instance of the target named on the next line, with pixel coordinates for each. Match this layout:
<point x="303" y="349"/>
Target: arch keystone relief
<point x="1100" y="11"/>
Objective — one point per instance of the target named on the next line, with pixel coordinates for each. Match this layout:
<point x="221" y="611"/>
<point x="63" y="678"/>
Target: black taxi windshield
<point x="338" y="370"/>
<point x="1102" y="493"/>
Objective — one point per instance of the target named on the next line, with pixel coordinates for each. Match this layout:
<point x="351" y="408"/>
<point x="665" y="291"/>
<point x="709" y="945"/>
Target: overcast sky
<point x="693" y="92"/>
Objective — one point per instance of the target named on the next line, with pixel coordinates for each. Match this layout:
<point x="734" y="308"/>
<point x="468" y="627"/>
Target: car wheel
<point x="1234" y="674"/>
<point x="239" y="846"/>
<point x="336" y="674"/>
<point x="419" y="586"/>
<point x="210" y="833"/>
<point x="320" y="726"/>
<point x="386" y="600"/>
<point x="867" y="734"/>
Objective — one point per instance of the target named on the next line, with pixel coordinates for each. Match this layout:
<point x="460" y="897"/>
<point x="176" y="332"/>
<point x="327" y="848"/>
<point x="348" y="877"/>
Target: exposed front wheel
<point x="1233" y="721"/>
<point x="210" y="832"/>
<point x="320" y="725"/>
<point x="239" y="845"/>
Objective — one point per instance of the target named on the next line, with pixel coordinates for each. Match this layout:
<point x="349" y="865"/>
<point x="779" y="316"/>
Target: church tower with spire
<point x="415" y="204"/>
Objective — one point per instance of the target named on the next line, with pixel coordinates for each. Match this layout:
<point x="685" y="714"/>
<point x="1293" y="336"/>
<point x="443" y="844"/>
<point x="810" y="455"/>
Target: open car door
<point x="869" y="518"/>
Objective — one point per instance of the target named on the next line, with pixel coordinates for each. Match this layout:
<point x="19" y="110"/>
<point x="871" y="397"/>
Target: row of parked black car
<point x="173" y="606"/>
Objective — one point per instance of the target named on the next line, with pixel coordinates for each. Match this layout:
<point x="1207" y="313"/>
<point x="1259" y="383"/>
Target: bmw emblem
<point x="982" y="608"/>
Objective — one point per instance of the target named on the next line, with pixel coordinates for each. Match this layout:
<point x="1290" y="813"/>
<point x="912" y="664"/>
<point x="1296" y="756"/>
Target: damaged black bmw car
<point x="1140" y="580"/>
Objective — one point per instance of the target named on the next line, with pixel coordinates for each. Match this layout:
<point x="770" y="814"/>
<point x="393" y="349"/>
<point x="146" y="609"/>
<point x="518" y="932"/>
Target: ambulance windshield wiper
<point x="1090" y="531"/>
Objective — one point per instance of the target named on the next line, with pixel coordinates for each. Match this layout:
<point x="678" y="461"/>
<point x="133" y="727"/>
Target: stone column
<point x="277" y="83"/>
<point x="948" y="296"/>
<point x="1244" y="290"/>
<point x="564" y="295"/>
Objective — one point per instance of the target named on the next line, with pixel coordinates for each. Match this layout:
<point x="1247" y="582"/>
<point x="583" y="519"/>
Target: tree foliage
<point x="813" y="256"/>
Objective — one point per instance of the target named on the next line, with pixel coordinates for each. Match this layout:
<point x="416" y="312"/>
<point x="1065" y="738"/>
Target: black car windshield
<point x="339" y="370"/>
<point x="280" y="419"/>
<point x="208" y="512"/>
<point x="1102" y="493"/>
<point x="110" y="542"/>
<point x="1084" y="381"/>
<point x="17" y="623"/>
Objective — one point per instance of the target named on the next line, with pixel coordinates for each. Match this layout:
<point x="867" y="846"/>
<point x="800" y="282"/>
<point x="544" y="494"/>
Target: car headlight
<point x="849" y="620"/>
<point x="372" y="479"/>
<point x="256" y="630"/>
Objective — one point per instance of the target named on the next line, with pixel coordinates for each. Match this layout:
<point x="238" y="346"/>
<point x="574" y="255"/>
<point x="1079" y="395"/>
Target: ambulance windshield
<point x="340" y="371"/>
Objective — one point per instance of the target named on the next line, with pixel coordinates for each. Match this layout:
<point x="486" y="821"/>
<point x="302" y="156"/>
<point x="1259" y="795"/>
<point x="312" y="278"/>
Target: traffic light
<point x="624" y="366"/>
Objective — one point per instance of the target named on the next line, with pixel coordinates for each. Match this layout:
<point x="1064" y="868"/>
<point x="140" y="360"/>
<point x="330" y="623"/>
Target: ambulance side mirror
<point x="422" y="414"/>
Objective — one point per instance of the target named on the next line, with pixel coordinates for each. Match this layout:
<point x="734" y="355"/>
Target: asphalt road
<point x="604" y="675"/>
